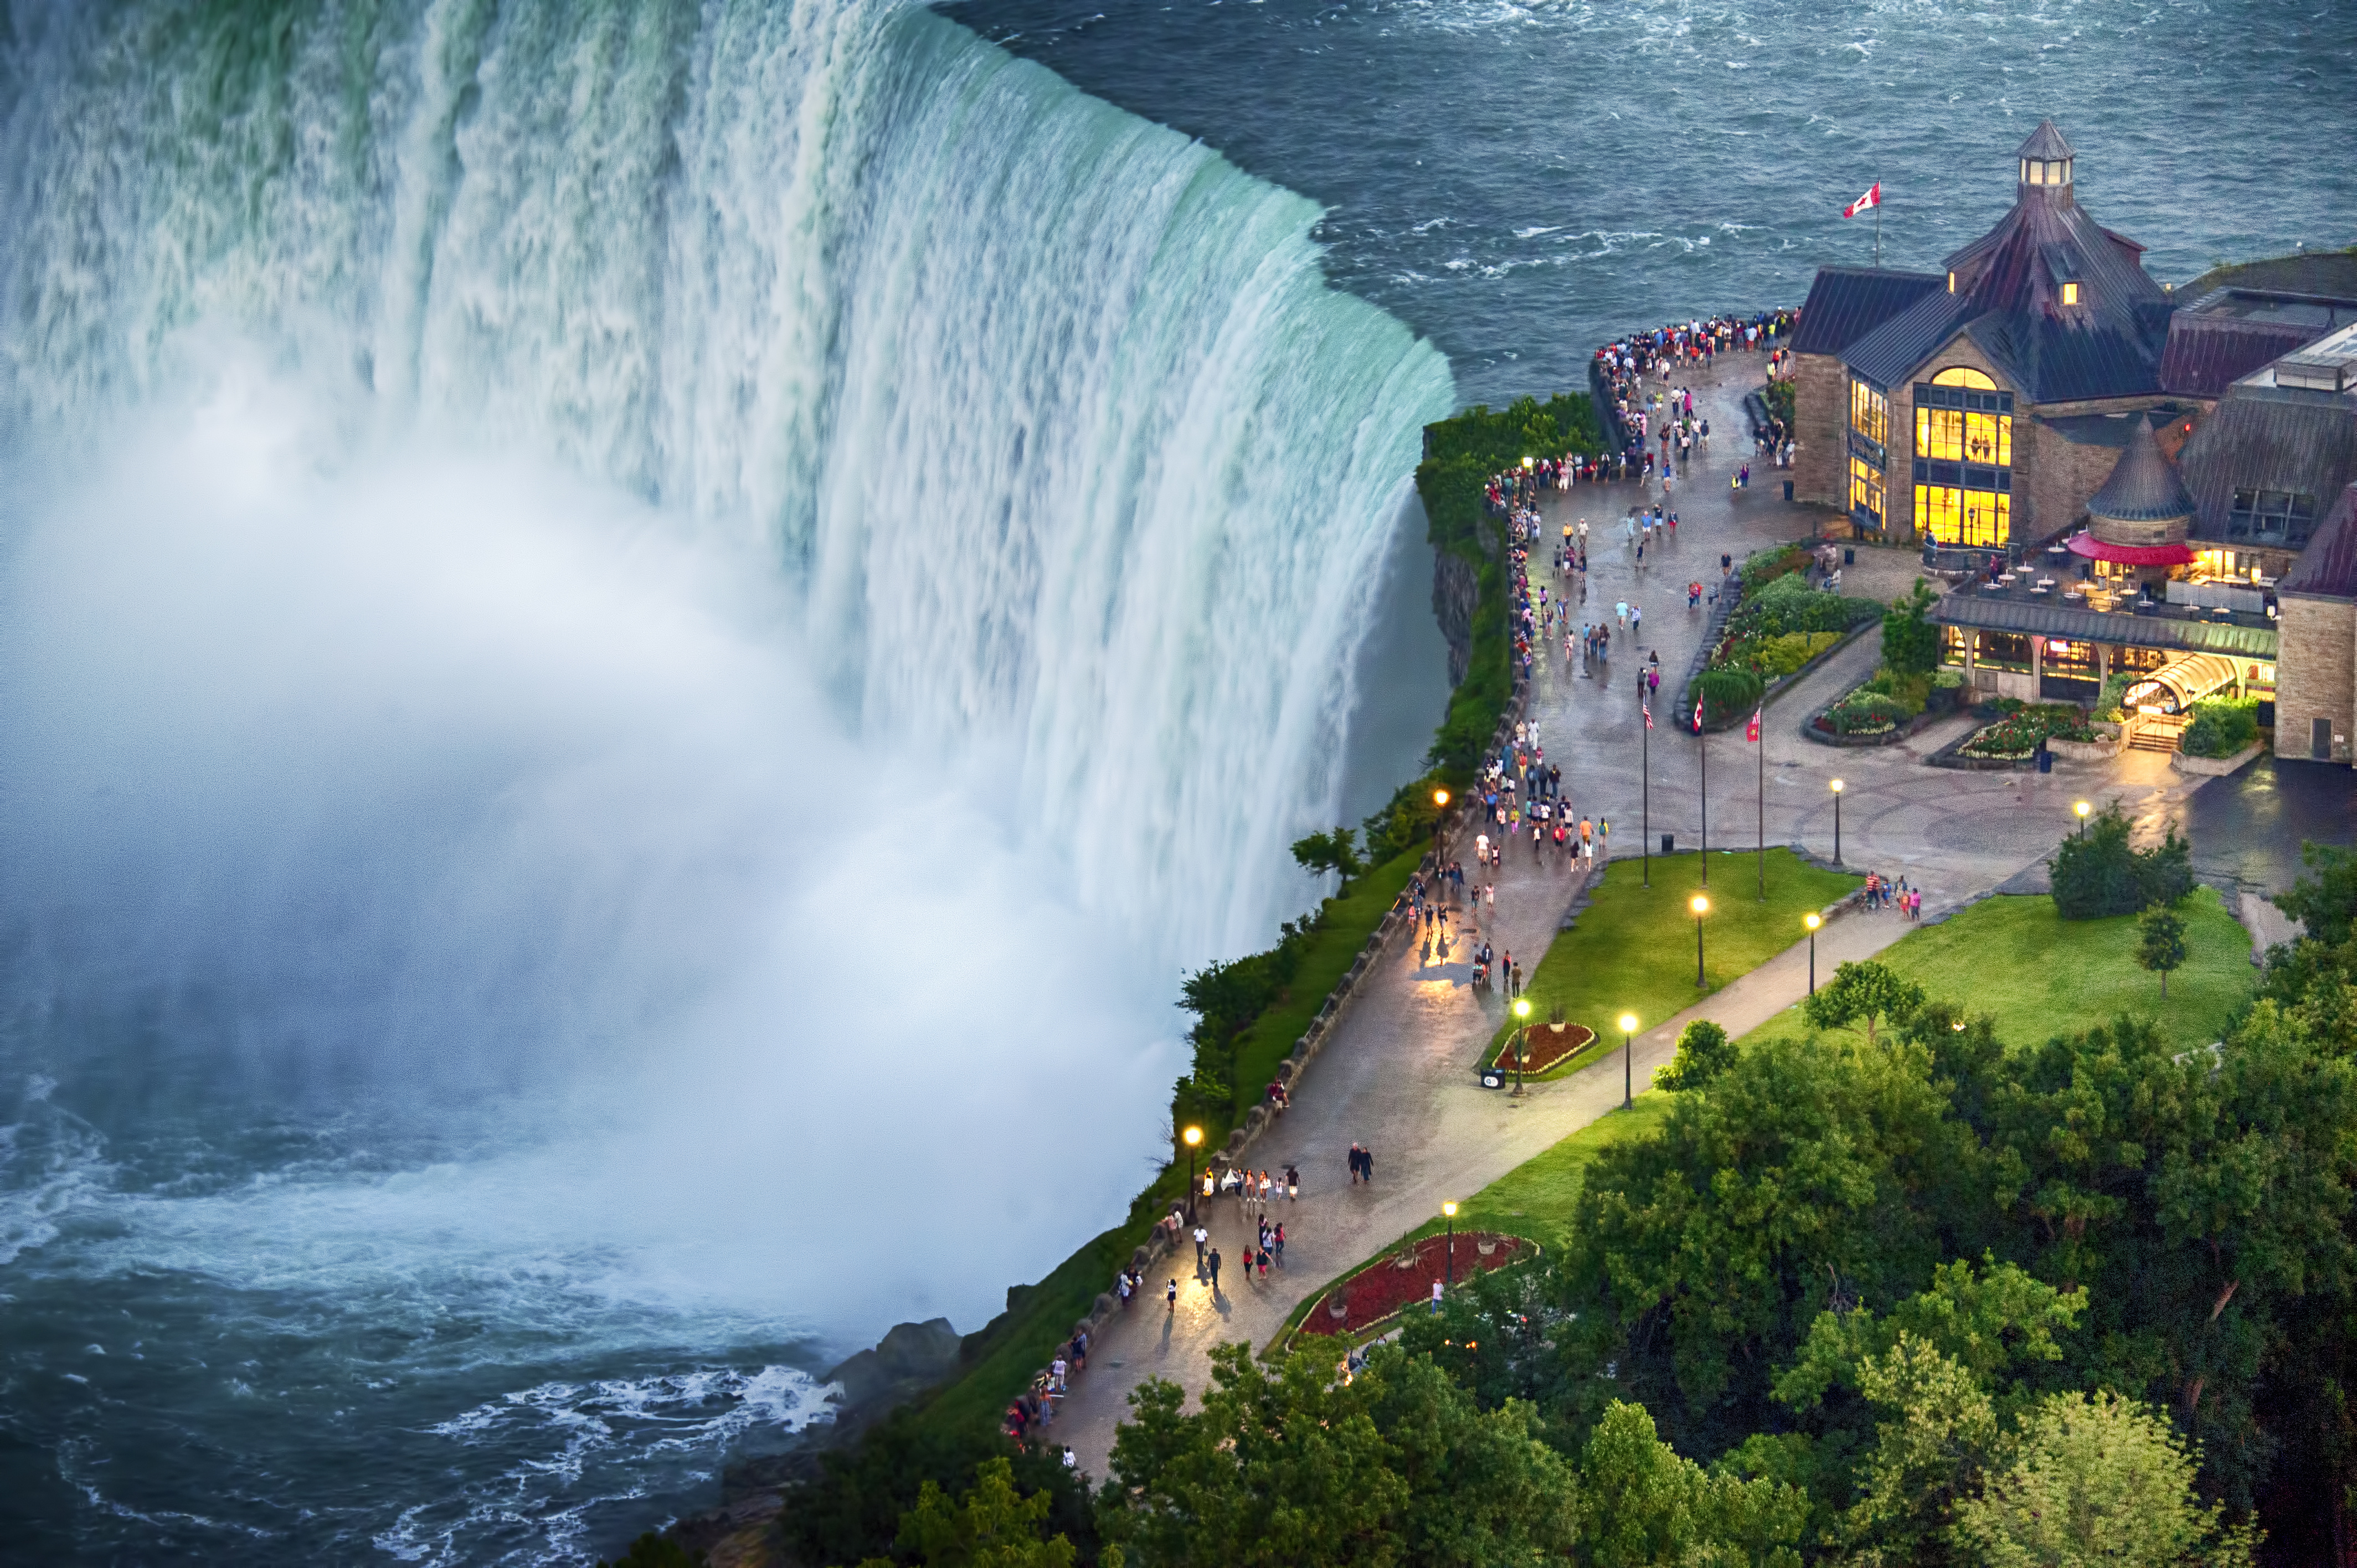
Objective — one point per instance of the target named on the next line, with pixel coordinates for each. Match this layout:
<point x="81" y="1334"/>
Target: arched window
<point x="1964" y="459"/>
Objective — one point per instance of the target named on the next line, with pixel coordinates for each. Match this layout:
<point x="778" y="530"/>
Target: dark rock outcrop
<point x="908" y="1360"/>
<point x="1456" y="589"/>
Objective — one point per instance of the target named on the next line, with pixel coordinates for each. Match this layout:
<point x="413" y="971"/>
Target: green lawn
<point x="1634" y="948"/>
<point x="2039" y="975"/>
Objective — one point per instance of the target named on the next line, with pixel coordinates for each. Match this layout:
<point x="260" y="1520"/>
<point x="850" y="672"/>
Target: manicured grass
<point x="2039" y="975"/>
<point x="1633" y="948"/>
<point x="1535" y="1198"/>
<point x="1351" y="920"/>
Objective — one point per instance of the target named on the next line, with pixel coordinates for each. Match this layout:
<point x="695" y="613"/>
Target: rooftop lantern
<point x="2045" y="163"/>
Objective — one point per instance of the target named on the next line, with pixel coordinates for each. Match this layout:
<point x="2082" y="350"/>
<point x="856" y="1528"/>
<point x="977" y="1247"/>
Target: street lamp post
<point x="1191" y="1137"/>
<point x="1521" y="1039"/>
<point x="1701" y="907"/>
<point x="1628" y="1071"/>
<point x="1837" y="795"/>
<point x="1812" y="920"/>
<point x="1439" y="833"/>
<point x="2082" y="808"/>
<point x="1449" y="1210"/>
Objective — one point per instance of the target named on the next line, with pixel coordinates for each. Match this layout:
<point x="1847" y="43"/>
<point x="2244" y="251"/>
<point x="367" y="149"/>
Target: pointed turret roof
<point x="2046" y="142"/>
<point x="2007" y="296"/>
<point x="2145" y="486"/>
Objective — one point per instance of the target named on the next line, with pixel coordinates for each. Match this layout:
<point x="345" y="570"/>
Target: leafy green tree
<point x="2096" y="1479"/>
<point x="1861" y="997"/>
<point x="1286" y="1466"/>
<point x="2097" y="873"/>
<point x="1937" y="1429"/>
<point x="2324" y="900"/>
<point x="992" y="1526"/>
<point x="1333" y="852"/>
<point x="1640" y="1504"/>
<point x="1704" y="1052"/>
<point x="1911" y="643"/>
<point x="654" y="1550"/>
<point x="1989" y="1321"/>
<point x="2160" y="943"/>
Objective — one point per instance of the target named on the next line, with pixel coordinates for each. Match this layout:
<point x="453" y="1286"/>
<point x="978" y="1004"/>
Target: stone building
<point x="2125" y="484"/>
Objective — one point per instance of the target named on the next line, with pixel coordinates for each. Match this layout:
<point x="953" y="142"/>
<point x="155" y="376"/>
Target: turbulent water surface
<point x="635" y="641"/>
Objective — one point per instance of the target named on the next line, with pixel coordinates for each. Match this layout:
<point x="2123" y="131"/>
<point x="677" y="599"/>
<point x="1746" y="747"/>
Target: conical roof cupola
<point x="2145" y="502"/>
<point x="2045" y="161"/>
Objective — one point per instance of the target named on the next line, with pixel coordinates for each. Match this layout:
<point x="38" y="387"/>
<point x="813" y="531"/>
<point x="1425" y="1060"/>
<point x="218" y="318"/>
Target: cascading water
<point x="634" y="643"/>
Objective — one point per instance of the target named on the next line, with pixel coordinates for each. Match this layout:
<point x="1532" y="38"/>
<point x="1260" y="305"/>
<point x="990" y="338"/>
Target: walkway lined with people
<point x="1613" y="605"/>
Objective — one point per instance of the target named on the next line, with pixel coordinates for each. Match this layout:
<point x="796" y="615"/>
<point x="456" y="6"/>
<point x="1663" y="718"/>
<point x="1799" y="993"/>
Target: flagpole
<point x="1702" y="742"/>
<point x="1764" y="808"/>
<point x="1877" y="231"/>
<point x="1645" y="766"/>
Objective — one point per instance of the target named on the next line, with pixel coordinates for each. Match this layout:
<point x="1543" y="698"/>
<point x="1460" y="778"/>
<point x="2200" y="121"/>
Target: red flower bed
<point x="1547" y="1049"/>
<point x="1384" y="1287"/>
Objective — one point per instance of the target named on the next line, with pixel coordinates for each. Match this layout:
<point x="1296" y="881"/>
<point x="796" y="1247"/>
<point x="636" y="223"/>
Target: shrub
<point x="1865" y="712"/>
<point x="2097" y="874"/>
<point x="2115" y="693"/>
<point x="1782" y="560"/>
<point x="1726" y="692"/>
<point x="1704" y="1052"/>
<point x="2222" y="727"/>
<point x="1948" y="680"/>
<point x="1784" y="654"/>
<point x="1911" y="644"/>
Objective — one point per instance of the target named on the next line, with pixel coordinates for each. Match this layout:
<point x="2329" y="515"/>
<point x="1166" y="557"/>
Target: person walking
<point x="1170" y="1299"/>
<point x="1201" y="1236"/>
<point x="1215" y="1271"/>
<point x="1435" y="1298"/>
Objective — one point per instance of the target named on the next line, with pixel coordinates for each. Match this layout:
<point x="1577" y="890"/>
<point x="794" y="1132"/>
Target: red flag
<point x="1649" y="711"/>
<point x="1873" y="197"/>
<point x="1697" y="712"/>
<point x="1752" y="731"/>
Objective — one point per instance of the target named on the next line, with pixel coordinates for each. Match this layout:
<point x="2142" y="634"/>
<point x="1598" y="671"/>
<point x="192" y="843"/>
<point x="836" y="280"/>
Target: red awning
<point x="2094" y="549"/>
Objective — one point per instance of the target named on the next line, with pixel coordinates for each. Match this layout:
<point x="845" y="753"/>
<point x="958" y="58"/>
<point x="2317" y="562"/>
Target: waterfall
<point x="741" y="582"/>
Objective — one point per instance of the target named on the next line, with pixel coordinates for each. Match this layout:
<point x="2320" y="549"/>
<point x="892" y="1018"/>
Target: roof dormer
<point x="2044" y="161"/>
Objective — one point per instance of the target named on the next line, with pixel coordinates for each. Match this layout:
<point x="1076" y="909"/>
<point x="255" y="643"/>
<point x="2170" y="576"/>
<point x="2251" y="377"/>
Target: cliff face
<point x="1456" y="588"/>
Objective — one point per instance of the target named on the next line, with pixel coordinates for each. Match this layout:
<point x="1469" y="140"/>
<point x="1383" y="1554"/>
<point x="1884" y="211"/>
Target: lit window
<point x="1866" y="495"/>
<point x="2070" y="294"/>
<point x="1963" y="376"/>
<point x="1947" y="515"/>
<point x="1869" y="411"/>
<point x="1952" y="281"/>
<point x="2037" y="172"/>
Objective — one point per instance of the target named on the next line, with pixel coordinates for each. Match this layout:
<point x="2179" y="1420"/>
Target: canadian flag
<point x="1873" y="197"/>
<point x="1648" y="712"/>
<point x="1697" y="712"/>
<point x="1751" y="730"/>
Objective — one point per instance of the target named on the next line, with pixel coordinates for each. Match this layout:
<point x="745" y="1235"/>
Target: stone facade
<point x="1821" y="410"/>
<point x="2316" y="675"/>
<point x="2060" y="475"/>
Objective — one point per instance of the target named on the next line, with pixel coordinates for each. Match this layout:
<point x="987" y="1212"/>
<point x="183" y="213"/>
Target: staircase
<point x="2155" y="732"/>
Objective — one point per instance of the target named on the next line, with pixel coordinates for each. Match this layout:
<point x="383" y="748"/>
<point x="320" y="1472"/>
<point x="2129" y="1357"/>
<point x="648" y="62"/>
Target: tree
<point x="654" y="1550"/>
<point x="1704" y="1052"/>
<point x="2097" y="873"/>
<point x="1911" y="643"/>
<point x="1285" y="1466"/>
<point x="2161" y="942"/>
<point x="1987" y="1321"/>
<point x="1861" y="997"/>
<point x="1332" y="852"/>
<point x="2324" y="900"/>
<point x="992" y="1526"/>
<point x="1641" y="1504"/>
<point x="2095" y="1479"/>
<point x="1936" y="1434"/>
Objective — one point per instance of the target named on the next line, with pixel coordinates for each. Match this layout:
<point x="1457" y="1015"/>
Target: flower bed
<point x="2022" y="726"/>
<point x="1403" y="1279"/>
<point x="1780" y="628"/>
<point x="1549" y="1047"/>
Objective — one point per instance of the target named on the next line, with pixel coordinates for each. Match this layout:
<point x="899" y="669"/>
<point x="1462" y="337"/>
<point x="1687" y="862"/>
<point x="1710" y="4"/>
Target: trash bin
<point x="1788" y="489"/>
<point x="2045" y="758"/>
<point x="1849" y="556"/>
<point x="1669" y="843"/>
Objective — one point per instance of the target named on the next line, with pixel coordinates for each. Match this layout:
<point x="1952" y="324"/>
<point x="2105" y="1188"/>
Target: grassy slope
<point x="2039" y="975"/>
<point x="1632" y="951"/>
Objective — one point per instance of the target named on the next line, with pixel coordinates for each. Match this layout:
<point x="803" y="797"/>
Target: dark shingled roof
<point x="2045" y="141"/>
<point x="1846" y="303"/>
<point x="2008" y="299"/>
<point x="2331" y="274"/>
<point x="2326" y="569"/>
<point x="2229" y="332"/>
<point x="1993" y="613"/>
<point x="2144" y="485"/>
<point x="2268" y="438"/>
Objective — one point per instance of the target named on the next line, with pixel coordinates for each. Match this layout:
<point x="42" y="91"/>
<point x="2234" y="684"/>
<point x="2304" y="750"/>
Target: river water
<point x="636" y="640"/>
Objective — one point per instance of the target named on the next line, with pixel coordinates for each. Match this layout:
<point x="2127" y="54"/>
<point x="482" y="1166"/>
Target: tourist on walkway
<point x="1215" y="1271"/>
<point x="1170" y="1299"/>
<point x="1201" y="1236"/>
<point x="1435" y="1298"/>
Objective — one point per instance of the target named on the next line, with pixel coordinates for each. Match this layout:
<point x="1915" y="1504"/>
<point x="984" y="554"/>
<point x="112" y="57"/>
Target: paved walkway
<point x="1398" y="1073"/>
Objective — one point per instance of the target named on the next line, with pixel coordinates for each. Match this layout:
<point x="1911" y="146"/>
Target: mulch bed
<point x="1383" y="1287"/>
<point x="1547" y="1047"/>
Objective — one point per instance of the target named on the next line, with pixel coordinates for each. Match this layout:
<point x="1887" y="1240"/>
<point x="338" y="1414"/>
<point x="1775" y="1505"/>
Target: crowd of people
<point x="1663" y="417"/>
